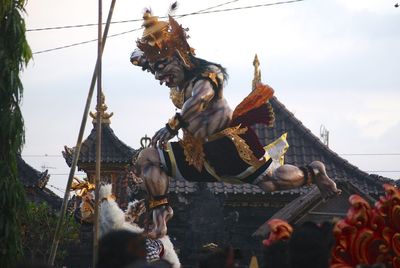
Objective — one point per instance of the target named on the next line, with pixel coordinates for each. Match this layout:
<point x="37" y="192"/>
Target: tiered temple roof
<point x="35" y="183"/>
<point x="113" y="150"/>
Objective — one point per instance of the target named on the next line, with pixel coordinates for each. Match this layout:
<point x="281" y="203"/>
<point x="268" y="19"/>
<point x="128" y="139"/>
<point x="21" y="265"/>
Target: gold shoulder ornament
<point x="177" y="97"/>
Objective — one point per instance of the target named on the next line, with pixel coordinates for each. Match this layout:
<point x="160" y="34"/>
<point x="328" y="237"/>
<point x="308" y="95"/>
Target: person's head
<point x="218" y="257"/>
<point x="32" y="264"/>
<point x="156" y="264"/>
<point x="277" y="254"/>
<point x="120" y="248"/>
<point x="310" y="245"/>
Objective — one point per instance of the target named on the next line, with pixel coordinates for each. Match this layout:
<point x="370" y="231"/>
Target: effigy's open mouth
<point x="167" y="79"/>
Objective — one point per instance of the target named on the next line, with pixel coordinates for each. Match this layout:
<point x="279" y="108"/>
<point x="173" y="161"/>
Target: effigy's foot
<point x="161" y="215"/>
<point x="326" y="185"/>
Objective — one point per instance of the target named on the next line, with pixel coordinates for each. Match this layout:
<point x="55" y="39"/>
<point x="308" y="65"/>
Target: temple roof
<point x="29" y="176"/>
<point x="304" y="147"/>
<point x="35" y="183"/>
<point x="113" y="150"/>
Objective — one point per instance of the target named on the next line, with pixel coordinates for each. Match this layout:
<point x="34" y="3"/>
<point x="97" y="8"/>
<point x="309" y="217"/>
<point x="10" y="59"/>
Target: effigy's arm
<point x="202" y="94"/>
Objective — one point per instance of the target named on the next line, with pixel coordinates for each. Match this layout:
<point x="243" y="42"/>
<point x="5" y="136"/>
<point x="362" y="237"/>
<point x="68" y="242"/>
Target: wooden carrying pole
<point x="98" y="141"/>
<point x="77" y="150"/>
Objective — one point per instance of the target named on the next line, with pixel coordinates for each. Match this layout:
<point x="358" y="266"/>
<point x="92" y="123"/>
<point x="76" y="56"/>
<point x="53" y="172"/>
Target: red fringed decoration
<point x="369" y="235"/>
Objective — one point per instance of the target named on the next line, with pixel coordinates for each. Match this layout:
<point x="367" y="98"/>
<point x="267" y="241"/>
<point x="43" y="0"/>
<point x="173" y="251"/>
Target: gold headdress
<point x="162" y="39"/>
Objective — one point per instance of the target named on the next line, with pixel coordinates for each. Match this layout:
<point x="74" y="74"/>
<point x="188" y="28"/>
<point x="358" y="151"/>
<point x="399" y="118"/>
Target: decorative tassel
<point x="173" y="8"/>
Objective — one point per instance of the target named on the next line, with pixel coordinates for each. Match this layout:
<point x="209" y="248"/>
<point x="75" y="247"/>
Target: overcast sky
<point x="332" y="62"/>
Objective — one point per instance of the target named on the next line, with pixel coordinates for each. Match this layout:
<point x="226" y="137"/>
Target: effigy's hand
<point x="161" y="137"/>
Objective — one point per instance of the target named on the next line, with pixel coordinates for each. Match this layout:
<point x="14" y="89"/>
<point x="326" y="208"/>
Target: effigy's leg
<point x="156" y="181"/>
<point x="289" y="176"/>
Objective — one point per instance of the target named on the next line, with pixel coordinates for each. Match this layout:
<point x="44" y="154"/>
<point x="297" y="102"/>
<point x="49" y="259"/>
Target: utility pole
<point x="77" y="149"/>
<point x="98" y="138"/>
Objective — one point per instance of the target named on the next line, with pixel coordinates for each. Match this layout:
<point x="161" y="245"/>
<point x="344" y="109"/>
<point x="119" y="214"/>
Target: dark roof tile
<point x="113" y="150"/>
<point x="29" y="176"/>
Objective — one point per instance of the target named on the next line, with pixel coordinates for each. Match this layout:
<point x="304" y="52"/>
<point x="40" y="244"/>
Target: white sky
<point x="332" y="62"/>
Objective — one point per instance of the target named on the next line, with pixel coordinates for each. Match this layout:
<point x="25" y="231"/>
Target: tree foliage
<point x="14" y="55"/>
<point x="38" y="228"/>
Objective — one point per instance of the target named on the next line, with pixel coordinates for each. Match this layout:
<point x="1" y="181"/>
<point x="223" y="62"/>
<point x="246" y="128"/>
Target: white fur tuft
<point x="169" y="252"/>
<point x="113" y="218"/>
<point x="105" y="190"/>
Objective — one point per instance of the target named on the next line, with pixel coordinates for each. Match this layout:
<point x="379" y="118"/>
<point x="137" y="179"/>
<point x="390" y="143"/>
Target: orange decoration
<point x="280" y="230"/>
<point x="256" y="98"/>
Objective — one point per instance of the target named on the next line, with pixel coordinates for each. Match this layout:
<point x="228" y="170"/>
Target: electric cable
<point x="206" y="11"/>
<point x="117" y="22"/>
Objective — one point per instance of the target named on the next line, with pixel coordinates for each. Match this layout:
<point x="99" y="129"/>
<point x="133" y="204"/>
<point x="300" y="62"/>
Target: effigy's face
<point x="169" y="71"/>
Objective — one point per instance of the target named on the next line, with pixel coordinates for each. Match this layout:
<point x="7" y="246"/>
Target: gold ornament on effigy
<point x="177" y="97"/>
<point x="245" y="153"/>
<point x="163" y="39"/>
<point x="157" y="203"/>
<point x="193" y="150"/>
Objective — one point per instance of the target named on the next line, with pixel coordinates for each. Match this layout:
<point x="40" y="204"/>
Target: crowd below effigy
<point x="367" y="237"/>
<point x="310" y="245"/>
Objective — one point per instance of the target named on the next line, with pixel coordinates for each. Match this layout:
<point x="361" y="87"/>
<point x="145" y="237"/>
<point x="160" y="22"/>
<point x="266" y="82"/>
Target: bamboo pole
<point x="77" y="150"/>
<point x="98" y="140"/>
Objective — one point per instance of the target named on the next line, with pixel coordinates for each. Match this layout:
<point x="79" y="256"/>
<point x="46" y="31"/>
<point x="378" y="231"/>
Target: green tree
<point x="14" y="55"/>
<point x="38" y="227"/>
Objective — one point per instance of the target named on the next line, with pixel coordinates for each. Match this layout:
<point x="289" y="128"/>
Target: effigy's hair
<point x="201" y="66"/>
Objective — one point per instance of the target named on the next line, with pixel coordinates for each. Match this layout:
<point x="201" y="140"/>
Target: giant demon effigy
<point x="218" y="144"/>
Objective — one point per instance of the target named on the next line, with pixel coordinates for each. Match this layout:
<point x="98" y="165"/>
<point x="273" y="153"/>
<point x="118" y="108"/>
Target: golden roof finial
<point x="101" y="109"/>
<point x="257" y="72"/>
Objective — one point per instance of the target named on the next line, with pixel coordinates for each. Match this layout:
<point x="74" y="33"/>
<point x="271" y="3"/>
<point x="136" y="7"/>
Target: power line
<point x="84" y="42"/>
<point x="55" y="187"/>
<point x="113" y="35"/>
<point x="118" y="22"/>
<point x="182" y="15"/>
<point x="77" y="26"/>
